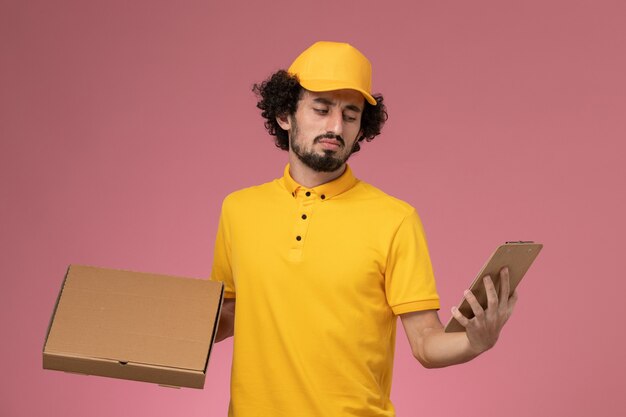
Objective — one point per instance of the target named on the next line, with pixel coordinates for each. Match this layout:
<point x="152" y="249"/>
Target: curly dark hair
<point x="279" y="95"/>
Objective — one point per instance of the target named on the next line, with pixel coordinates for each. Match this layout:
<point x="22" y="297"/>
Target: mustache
<point x="330" y="136"/>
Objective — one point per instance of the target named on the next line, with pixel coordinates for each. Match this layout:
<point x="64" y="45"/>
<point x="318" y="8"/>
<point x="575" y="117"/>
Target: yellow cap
<point x="327" y="66"/>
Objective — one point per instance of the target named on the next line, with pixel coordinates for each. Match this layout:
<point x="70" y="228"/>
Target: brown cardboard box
<point x="131" y="325"/>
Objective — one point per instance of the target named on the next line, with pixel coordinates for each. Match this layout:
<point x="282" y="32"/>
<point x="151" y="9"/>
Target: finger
<point x="474" y="304"/>
<point x="505" y="288"/>
<point x="512" y="302"/>
<point x="463" y="321"/>
<point x="492" y="295"/>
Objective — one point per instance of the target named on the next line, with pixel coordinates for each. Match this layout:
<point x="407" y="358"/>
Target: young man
<point x="321" y="264"/>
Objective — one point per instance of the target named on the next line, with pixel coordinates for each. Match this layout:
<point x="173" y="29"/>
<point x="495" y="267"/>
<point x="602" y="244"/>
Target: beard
<point x="329" y="161"/>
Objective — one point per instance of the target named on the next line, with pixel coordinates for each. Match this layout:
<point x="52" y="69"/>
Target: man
<point x="321" y="264"/>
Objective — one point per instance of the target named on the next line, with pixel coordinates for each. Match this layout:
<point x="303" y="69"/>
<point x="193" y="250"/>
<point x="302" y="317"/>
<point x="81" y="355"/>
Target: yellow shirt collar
<point x="330" y="189"/>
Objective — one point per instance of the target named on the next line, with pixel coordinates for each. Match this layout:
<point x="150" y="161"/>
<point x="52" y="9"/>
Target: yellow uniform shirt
<point x="319" y="276"/>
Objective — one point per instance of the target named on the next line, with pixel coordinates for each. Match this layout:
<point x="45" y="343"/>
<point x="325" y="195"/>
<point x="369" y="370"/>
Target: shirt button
<point x="298" y="238"/>
<point x="323" y="196"/>
<point x="304" y="217"/>
<point x="308" y="194"/>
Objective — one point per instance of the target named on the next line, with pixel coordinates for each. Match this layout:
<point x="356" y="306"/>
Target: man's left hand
<point x="484" y="328"/>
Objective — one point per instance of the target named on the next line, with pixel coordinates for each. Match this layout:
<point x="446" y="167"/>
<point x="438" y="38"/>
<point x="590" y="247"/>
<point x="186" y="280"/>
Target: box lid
<point x="137" y="318"/>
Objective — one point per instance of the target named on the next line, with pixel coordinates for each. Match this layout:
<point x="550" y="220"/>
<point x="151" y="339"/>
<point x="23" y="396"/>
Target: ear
<point x="284" y="121"/>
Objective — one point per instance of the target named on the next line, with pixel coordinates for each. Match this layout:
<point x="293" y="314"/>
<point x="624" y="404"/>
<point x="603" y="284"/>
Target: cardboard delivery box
<point x="131" y="325"/>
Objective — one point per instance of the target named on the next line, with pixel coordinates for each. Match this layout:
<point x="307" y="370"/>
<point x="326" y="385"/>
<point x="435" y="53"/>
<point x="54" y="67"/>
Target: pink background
<point x="124" y="123"/>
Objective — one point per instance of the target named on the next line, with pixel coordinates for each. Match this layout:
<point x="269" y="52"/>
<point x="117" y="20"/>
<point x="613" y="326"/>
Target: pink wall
<point x="124" y="123"/>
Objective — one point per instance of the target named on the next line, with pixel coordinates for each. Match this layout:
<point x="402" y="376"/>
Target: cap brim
<point x="326" y="85"/>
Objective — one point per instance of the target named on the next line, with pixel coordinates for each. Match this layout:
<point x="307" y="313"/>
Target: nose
<point x="334" y="122"/>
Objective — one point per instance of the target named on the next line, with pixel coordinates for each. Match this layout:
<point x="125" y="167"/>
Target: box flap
<point x="133" y="317"/>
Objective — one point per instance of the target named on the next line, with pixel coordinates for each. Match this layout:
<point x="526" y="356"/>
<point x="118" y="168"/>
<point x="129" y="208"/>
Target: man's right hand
<point x="226" y="327"/>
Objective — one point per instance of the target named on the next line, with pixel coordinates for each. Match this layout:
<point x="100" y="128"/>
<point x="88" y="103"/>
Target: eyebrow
<point x="328" y="102"/>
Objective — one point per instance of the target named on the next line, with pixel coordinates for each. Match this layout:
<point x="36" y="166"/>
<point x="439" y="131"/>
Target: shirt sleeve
<point x="222" y="269"/>
<point x="409" y="279"/>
